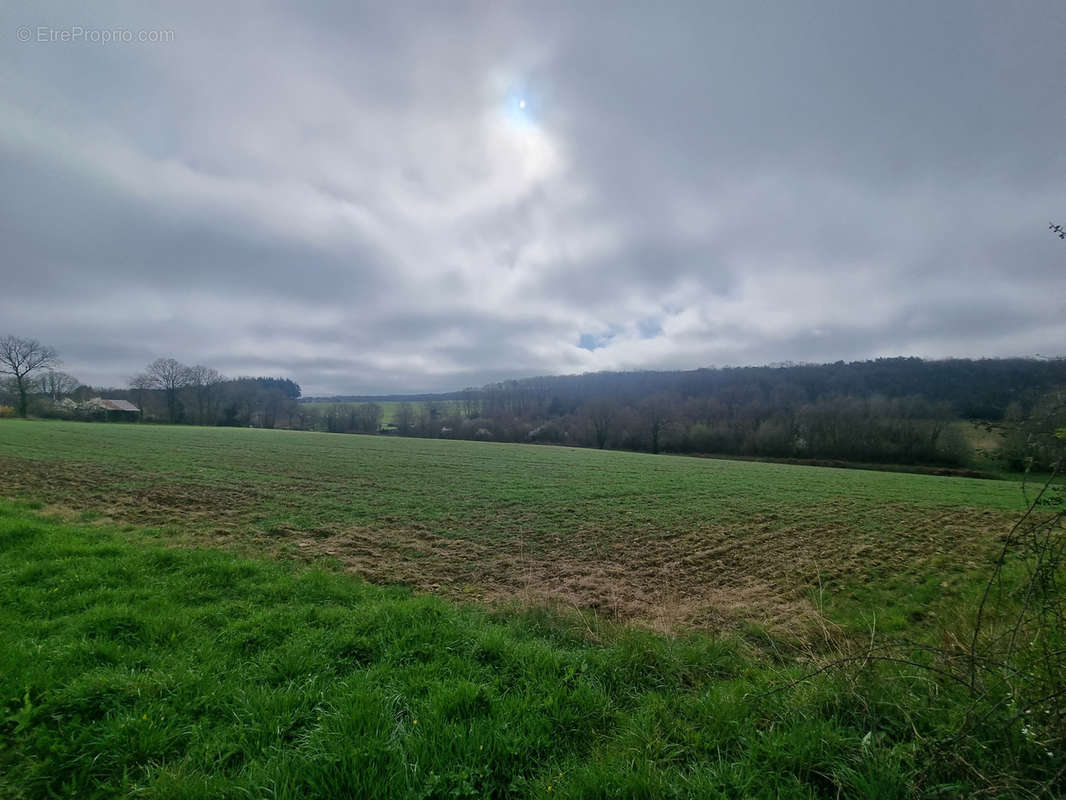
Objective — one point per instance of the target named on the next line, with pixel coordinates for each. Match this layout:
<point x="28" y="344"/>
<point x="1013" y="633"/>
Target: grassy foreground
<point x="129" y="669"/>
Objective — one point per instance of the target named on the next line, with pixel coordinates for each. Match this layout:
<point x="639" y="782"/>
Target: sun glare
<point x="520" y="106"/>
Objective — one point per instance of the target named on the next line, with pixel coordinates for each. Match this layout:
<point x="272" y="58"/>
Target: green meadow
<point x="389" y="408"/>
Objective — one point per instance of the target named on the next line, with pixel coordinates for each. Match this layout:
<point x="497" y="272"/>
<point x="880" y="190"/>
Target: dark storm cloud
<point x="375" y="198"/>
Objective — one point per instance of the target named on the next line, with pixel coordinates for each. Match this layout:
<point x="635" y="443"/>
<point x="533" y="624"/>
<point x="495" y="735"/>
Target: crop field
<point x="389" y="408"/>
<point x="176" y="622"/>
<point x="668" y="542"/>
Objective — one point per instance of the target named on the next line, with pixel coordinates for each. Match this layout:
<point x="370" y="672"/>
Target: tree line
<point x="176" y="393"/>
<point x="200" y="395"/>
<point x="893" y="411"/>
<point x="889" y="410"/>
<point x="910" y="430"/>
<point x="166" y="391"/>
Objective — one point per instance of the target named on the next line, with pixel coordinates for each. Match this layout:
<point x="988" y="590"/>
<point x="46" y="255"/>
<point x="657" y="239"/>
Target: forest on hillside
<point x="889" y="410"/>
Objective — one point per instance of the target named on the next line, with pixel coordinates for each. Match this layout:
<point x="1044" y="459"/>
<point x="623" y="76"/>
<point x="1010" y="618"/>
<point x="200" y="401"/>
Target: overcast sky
<point x="427" y="196"/>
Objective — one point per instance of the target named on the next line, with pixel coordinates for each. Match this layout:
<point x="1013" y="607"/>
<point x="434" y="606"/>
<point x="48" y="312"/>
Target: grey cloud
<point x="346" y="194"/>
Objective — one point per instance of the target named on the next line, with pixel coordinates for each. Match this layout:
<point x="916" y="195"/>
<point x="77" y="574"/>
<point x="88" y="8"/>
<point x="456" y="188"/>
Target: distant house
<point x="113" y="410"/>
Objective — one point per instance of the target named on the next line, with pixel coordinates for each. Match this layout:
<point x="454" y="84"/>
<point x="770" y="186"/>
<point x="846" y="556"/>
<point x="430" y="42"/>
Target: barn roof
<point x="115" y="405"/>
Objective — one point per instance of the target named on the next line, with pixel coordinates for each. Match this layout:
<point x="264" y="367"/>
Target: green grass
<point x="672" y="542"/>
<point x="483" y="469"/>
<point x="390" y="408"/>
<point x="130" y="669"/>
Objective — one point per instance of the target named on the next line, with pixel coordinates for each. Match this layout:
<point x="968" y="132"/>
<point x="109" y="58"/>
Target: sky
<point x="407" y="197"/>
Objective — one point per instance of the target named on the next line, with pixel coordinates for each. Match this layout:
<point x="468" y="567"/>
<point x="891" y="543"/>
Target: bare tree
<point x="405" y="418"/>
<point x="21" y="358"/>
<point x="8" y="393"/>
<point x="367" y="417"/>
<point x="471" y="403"/>
<point x="601" y="414"/>
<point x="171" y="376"/>
<point x="204" y="382"/>
<point x="656" y="411"/>
<point x="142" y="384"/>
<point x="56" y="384"/>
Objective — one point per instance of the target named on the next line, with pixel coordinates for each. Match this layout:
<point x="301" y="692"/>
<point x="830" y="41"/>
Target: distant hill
<point x="974" y="388"/>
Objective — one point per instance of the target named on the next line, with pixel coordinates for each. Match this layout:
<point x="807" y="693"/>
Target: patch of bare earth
<point x="69" y="488"/>
<point x="709" y="577"/>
